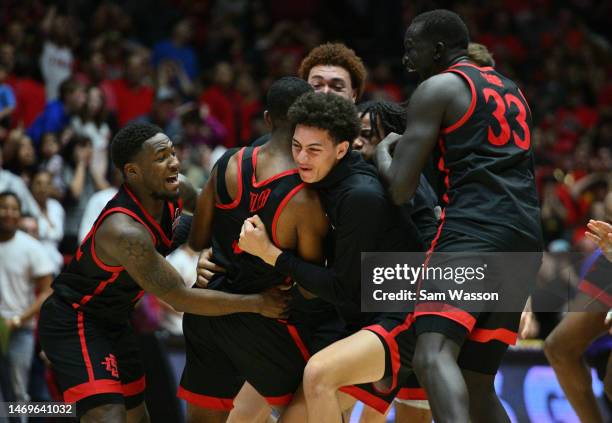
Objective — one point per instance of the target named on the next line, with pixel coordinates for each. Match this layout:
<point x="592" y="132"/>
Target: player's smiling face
<point x="160" y="167"/>
<point x="315" y="152"/>
<point x="332" y="79"/>
<point x="418" y="52"/>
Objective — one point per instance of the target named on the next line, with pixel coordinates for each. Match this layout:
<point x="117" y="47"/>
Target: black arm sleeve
<point x="361" y="216"/>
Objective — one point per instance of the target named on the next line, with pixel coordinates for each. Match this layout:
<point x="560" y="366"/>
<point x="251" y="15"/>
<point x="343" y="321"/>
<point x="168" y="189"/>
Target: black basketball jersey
<point x="246" y="273"/>
<point x="485" y="162"/>
<point x="108" y="291"/>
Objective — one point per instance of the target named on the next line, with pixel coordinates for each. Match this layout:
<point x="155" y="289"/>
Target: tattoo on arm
<point x="148" y="268"/>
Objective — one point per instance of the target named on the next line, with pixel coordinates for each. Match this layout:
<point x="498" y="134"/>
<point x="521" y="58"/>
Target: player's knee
<point x="424" y="361"/>
<point x="558" y="350"/>
<point x="317" y="377"/>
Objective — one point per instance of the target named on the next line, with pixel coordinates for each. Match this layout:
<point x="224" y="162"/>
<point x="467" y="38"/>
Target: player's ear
<point x="439" y="50"/>
<point x="130" y="170"/>
<point x="341" y="149"/>
<point x="267" y="119"/>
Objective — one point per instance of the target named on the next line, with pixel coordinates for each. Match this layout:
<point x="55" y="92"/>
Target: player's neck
<point x="279" y="143"/>
<point x="457" y="58"/>
<point x="153" y="206"/>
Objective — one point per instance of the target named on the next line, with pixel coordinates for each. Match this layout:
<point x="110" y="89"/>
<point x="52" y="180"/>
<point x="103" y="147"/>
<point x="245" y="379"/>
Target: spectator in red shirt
<point x="223" y="101"/>
<point x="134" y="97"/>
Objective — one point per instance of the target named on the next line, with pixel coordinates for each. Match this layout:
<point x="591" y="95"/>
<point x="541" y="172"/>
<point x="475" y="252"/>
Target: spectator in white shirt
<point x="51" y="219"/>
<point x="25" y="282"/>
<point x="185" y="261"/>
<point x="13" y="183"/>
<point x="97" y="202"/>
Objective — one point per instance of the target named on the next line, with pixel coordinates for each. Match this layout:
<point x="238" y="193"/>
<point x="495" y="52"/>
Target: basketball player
<point x="477" y="124"/>
<point x="224" y="352"/>
<point x="84" y="326"/>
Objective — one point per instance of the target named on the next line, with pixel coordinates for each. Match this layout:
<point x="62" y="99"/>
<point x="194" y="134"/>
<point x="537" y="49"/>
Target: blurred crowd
<point x="73" y="72"/>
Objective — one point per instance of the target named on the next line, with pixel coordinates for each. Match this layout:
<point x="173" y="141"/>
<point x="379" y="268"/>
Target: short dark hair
<point x="128" y="142"/>
<point x="336" y="54"/>
<point x="67" y="87"/>
<point x="282" y="94"/>
<point x="391" y="116"/>
<point x="446" y="26"/>
<point x="328" y="111"/>
<point x="11" y="194"/>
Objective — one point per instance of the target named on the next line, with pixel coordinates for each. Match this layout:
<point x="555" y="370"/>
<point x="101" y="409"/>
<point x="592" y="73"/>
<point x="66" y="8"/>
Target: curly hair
<point x="335" y="114"/>
<point x="336" y="54"/>
<point x="384" y="115"/>
<point x="128" y="142"/>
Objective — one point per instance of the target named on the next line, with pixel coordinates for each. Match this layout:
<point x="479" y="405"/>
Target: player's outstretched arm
<point x="130" y="245"/>
<point x="411" y="150"/>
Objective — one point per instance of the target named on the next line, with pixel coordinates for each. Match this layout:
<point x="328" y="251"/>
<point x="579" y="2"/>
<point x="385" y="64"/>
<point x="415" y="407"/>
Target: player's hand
<point x="608" y="321"/>
<point x="529" y="326"/>
<point x="253" y="237"/>
<point x="600" y="233"/>
<point x="274" y="303"/>
<point x="206" y="268"/>
<point x="389" y="142"/>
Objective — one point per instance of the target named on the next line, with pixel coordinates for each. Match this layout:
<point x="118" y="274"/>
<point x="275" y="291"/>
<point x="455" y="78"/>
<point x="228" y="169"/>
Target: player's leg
<point x="485" y="405"/>
<point x="608" y="378"/>
<point x="564" y="348"/>
<point x="360" y="358"/>
<point x="107" y="413"/>
<point x="138" y="414"/>
<point x="369" y="415"/>
<point x="209" y="382"/>
<point x="439" y="340"/>
<point x="405" y="413"/>
<point x="249" y="407"/>
<point x="411" y="403"/>
<point x="197" y="414"/>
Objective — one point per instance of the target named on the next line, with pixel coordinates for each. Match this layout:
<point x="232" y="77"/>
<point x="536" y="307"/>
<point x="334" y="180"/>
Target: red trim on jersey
<point x="138" y="296"/>
<point x="443" y="169"/>
<point x="123" y="210"/>
<point x="279" y="401"/>
<point x="205" y="401"/>
<point x="487" y="335"/>
<point x="236" y="200"/>
<point x="270" y="179"/>
<point x="134" y="388"/>
<point x="86" y="359"/>
<point x="280" y="208"/>
<point x="98" y="290"/>
<point x="484" y="68"/>
<point x="298" y="341"/>
<point x="95" y="387"/>
<point x="412" y="394"/>
<point x="595" y="292"/>
<point x="389" y="339"/>
<point x="447" y="311"/>
<point x="525" y="100"/>
<point x="367" y="398"/>
<point x="470" y="110"/>
<point x="150" y="218"/>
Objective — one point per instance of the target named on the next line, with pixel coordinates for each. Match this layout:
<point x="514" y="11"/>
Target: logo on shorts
<point x="110" y="362"/>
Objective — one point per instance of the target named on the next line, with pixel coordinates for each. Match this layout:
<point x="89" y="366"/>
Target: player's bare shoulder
<point x="120" y="238"/>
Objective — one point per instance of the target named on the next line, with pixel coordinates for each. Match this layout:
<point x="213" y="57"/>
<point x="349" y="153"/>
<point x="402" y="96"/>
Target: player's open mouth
<point x="173" y="181"/>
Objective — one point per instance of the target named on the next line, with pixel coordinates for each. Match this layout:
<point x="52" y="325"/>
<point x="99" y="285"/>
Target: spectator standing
<point x="25" y="282"/>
